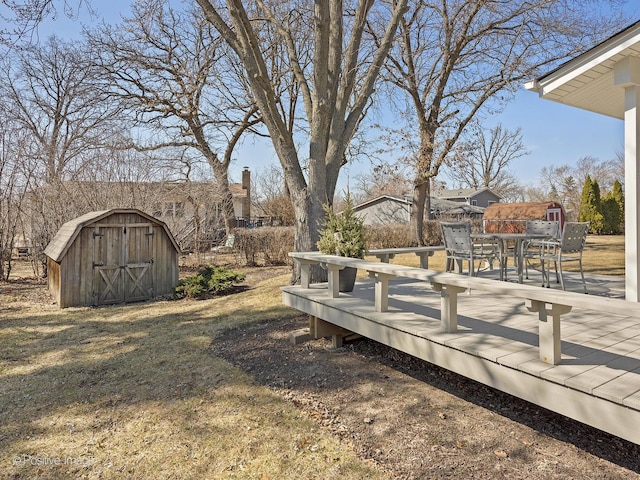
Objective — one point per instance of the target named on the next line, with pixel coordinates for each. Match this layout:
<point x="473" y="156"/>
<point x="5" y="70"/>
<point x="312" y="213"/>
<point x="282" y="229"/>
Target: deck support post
<point x="319" y="328"/>
<point x="381" y="288"/>
<point x="548" y="331"/>
<point x="448" y="305"/>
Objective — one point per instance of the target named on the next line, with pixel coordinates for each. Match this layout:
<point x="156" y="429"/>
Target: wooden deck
<point x="597" y="380"/>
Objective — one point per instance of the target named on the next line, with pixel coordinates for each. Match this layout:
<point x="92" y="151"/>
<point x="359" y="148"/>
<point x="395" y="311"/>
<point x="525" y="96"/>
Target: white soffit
<point x="587" y="81"/>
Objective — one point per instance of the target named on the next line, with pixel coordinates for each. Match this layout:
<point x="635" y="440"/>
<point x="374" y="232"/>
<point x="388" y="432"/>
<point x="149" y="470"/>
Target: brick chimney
<point x="246" y="186"/>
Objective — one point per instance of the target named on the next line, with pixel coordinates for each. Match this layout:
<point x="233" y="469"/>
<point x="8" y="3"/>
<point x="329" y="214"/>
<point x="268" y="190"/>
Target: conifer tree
<point x="590" y="206"/>
<point x="618" y="196"/>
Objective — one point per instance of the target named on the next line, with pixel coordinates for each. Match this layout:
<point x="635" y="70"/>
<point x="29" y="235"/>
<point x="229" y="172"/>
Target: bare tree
<point x="482" y="160"/>
<point x="21" y="18"/>
<point x="335" y="71"/>
<point x="52" y="92"/>
<point x="174" y="74"/>
<point x="384" y="179"/>
<point x="271" y="195"/>
<point x="15" y="176"/>
<point x="51" y="97"/>
<point x="457" y="58"/>
<point x="563" y="183"/>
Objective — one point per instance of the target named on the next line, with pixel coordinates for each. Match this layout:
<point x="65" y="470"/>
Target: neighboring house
<point x="477" y="197"/>
<point x="181" y="205"/>
<point x="452" y="210"/>
<point x="384" y="209"/>
<point x="387" y="209"/>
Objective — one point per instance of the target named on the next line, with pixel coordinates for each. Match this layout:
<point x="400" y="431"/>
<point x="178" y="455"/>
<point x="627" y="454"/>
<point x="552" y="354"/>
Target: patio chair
<point x="227" y="246"/>
<point x="531" y="248"/>
<point x="568" y="249"/>
<point x="459" y="248"/>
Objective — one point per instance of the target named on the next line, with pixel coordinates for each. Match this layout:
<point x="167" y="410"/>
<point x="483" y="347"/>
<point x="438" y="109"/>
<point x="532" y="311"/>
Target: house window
<point x="474" y="202"/>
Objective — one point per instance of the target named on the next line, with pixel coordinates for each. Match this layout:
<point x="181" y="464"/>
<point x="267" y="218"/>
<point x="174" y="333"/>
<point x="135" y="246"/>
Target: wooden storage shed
<point x="111" y="256"/>
<point x="512" y="217"/>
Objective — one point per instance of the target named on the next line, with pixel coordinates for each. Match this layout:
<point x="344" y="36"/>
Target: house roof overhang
<point x="590" y="81"/>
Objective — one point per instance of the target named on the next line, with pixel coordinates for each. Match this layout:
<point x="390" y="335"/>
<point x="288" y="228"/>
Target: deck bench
<point x="386" y="254"/>
<point x="549" y="304"/>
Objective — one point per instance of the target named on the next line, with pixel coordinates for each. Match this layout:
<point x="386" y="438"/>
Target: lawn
<point x="135" y="392"/>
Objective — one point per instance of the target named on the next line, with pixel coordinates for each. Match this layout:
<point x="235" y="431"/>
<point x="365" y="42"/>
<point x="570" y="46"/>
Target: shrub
<point x="209" y="280"/>
<point x="398" y="235"/>
<point x="272" y="243"/>
<point x="342" y="234"/>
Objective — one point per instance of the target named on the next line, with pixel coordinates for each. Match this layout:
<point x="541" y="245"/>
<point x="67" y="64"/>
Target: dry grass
<point x="134" y="392"/>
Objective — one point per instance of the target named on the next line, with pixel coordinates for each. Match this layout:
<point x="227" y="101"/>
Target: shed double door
<point x="122" y="261"/>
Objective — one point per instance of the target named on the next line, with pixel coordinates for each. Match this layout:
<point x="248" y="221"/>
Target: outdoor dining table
<point x="518" y="252"/>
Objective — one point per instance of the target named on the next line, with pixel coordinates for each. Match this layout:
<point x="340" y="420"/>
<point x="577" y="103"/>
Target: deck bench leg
<point x="385" y="257"/>
<point x="448" y="306"/>
<point x="305" y="274"/>
<point x="424" y="259"/>
<point x="381" y="288"/>
<point x="549" y="331"/>
<point x="333" y="278"/>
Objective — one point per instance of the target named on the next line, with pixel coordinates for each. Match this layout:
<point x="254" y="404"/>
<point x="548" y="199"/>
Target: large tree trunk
<point x="420" y="194"/>
<point x="221" y="175"/>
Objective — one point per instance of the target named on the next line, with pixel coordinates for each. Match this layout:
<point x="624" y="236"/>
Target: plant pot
<point x="347" y="279"/>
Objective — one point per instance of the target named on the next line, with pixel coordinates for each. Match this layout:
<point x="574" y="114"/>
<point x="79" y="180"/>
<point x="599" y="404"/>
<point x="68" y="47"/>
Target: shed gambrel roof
<point x="58" y="247"/>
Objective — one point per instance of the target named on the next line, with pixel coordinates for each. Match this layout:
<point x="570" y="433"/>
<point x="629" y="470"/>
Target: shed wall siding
<point x="53" y="279"/>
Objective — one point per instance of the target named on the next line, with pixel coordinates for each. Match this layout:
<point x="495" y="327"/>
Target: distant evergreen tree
<point x="590" y="206"/>
<point x="618" y="196"/>
<point x="611" y="214"/>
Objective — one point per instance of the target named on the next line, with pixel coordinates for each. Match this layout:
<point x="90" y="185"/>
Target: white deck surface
<point x="597" y="381"/>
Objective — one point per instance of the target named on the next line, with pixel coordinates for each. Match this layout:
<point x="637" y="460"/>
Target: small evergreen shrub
<point x="342" y="234"/>
<point x="209" y="280"/>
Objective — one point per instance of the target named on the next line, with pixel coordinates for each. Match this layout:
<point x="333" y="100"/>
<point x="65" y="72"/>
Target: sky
<point x="555" y="134"/>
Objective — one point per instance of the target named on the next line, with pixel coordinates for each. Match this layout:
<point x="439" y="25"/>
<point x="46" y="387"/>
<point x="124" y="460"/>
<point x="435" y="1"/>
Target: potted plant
<point x="343" y="234"/>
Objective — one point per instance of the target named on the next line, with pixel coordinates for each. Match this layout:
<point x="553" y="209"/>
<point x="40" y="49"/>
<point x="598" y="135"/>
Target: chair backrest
<point x="542" y="227"/>
<point x="574" y="237"/>
<point x="456" y="236"/>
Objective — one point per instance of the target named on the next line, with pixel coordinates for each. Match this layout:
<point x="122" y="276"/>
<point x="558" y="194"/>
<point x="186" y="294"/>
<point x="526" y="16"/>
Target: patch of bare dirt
<point x="416" y="420"/>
